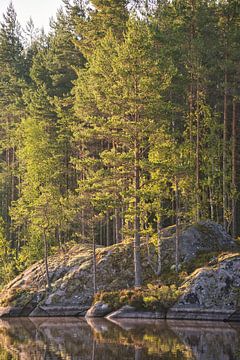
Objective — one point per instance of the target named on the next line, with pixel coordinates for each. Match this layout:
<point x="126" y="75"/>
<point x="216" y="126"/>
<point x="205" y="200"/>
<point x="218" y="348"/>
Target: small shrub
<point x="151" y="303"/>
<point x="111" y="298"/>
<point x="161" y="297"/>
<point x="125" y="296"/>
<point x="152" y="298"/>
<point x="136" y="300"/>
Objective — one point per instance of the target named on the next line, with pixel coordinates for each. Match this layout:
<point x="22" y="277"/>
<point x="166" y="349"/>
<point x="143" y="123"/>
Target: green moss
<point x="170" y="277"/>
<point x="202" y="259"/>
<point x="152" y="298"/>
<point x="202" y="228"/>
<point x="55" y="299"/>
<point x="16" y="297"/>
<point x="161" y="297"/>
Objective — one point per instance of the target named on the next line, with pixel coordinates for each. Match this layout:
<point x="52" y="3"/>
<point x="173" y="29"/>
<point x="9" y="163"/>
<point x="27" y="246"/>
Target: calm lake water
<point x="72" y="338"/>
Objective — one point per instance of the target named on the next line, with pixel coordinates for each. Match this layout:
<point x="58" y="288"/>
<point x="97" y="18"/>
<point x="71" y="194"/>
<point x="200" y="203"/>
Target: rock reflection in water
<point x="97" y="339"/>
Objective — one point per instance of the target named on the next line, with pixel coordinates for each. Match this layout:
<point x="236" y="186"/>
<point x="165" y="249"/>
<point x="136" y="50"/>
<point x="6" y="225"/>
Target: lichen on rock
<point x="70" y="272"/>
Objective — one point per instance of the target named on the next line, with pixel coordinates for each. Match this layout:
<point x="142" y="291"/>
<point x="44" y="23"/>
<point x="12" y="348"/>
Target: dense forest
<point x="122" y="120"/>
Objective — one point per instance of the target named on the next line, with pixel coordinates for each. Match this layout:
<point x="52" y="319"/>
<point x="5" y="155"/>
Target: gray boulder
<point x="211" y="293"/>
<point x="99" y="309"/>
<point x="203" y="237"/>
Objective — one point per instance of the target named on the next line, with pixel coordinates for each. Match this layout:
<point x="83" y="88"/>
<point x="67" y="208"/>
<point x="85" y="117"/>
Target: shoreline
<point x="216" y="315"/>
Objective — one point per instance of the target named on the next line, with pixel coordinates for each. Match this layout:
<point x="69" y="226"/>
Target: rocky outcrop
<point x="71" y="293"/>
<point x="71" y="278"/>
<point x="70" y="272"/>
<point x="203" y="237"/>
<point x="211" y="293"/>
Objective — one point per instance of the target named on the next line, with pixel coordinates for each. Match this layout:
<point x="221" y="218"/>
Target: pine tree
<point x="36" y="212"/>
<point x="12" y="83"/>
<point x="104" y="15"/>
<point x="122" y="86"/>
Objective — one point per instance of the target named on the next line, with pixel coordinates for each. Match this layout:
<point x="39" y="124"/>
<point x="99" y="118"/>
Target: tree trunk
<point x="122" y="224"/>
<point x="137" y="239"/>
<point x="46" y="259"/>
<point x="94" y="263"/>
<point x="211" y="203"/>
<point x="101" y="233"/>
<point x="114" y="229"/>
<point x="59" y="236"/>
<point x="117" y="232"/>
<point x="83" y="225"/>
<point x="177" y="226"/>
<point x="7" y="183"/>
<point x="198" y="161"/>
<point x="191" y="115"/>
<point x="67" y="161"/>
<point x="234" y="169"/>
<point x="191" y="58"/>
<point x="159" y="248"/>
<point x="108" y="230"/>
<point x="225" y="153"/>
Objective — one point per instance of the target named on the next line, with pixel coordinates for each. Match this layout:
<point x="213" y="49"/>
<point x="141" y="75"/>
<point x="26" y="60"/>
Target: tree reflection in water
<point x="98" y="339"/>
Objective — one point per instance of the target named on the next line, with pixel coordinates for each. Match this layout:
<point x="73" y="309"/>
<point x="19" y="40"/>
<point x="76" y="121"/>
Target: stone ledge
<point x="199" y="314"/>
<point x="58" y="311"/>
<point x="129" y="312"/>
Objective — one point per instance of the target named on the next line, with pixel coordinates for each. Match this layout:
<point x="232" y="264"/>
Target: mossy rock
<point x="71" y="270"/>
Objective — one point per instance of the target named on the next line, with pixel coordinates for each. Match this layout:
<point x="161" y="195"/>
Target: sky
<point x="39" y="10"/>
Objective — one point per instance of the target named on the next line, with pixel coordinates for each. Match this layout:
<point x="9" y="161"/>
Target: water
<point x="78" y="339"/>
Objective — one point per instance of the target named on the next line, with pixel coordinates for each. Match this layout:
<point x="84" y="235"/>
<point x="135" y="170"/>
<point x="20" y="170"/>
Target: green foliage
<point x="31" y="252"/>
<point x="161" y="298"/>
<point x="102" y="17"/>
<point x="154" y="298"/>
<point x="109" y="118"/>
<point x="7" y="261"/>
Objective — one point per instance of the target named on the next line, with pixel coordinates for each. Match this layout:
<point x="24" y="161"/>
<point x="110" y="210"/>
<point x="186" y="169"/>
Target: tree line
<point x="122" y="120"/>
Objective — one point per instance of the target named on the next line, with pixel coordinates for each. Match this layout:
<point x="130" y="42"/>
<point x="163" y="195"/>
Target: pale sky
<point x="39" y="10"/>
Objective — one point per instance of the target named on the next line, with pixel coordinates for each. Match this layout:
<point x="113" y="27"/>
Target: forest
<point x="120" y="121"/>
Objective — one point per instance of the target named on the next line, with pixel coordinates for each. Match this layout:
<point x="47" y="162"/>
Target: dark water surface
<point x="73" y="338"/>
